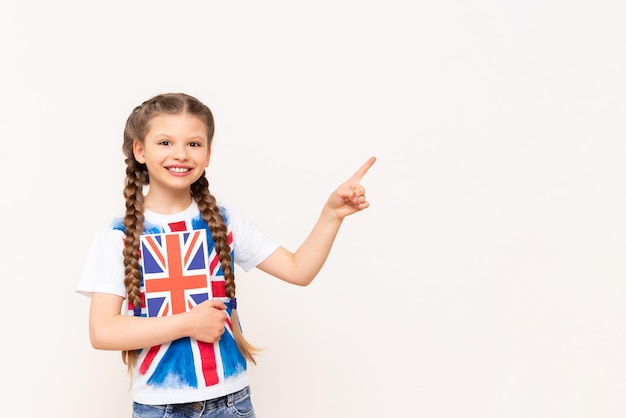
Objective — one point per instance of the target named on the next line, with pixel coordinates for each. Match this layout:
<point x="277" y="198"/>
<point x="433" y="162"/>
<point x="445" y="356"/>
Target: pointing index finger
<point x="361" y="171"/>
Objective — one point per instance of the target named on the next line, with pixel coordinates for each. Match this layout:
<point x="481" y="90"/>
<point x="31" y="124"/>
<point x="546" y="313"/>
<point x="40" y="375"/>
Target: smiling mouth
<point x="179" y="169"/>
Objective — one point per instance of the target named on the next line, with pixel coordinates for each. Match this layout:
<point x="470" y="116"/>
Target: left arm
<point x="301" y="266"/>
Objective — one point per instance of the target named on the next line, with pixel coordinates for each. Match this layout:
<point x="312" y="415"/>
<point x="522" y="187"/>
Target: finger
<point x="362" y="205"/>
<point x="355" y="195"/>
<point x="361" y="171"/>
<point x="218" y="304"/>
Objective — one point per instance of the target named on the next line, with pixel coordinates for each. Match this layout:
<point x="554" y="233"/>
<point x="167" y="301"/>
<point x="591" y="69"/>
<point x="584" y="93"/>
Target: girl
<point x="161" y="279"/>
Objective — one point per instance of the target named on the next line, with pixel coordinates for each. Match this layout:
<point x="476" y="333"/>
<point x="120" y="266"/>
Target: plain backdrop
<point x="485" y="280"/>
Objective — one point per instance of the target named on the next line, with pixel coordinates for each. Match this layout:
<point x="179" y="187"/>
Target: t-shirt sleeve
<point x="103" y="270"/>
<point x="250" y="244"/>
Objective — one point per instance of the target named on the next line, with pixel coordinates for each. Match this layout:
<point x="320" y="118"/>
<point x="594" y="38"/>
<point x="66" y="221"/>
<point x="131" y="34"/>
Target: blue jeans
<point x="237" y="405"/>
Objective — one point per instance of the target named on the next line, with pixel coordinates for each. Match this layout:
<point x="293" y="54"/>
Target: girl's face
<point x="176" y="151"/>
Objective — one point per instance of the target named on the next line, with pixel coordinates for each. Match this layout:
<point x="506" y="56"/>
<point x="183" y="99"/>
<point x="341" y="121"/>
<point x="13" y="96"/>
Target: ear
<point x="208" y="157"/>
<point x="138" y="151"/>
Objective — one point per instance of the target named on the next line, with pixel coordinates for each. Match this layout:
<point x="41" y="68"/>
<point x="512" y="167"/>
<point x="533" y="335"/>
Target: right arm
<point x="111" y="330"/>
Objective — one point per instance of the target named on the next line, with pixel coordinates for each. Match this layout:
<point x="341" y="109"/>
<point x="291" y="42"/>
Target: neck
<point x="167" y="205"/>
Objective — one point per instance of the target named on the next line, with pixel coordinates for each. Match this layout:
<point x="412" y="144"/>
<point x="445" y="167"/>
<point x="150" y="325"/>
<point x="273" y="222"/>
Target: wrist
<point x="331" y="216"/>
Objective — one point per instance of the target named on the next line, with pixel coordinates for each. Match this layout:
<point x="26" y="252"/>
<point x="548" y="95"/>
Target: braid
<point x="211" y="215"/>
<point x="133" y="223"/>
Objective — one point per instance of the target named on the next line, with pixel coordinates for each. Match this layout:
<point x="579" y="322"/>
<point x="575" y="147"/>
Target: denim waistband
<point x="209" y="404"/>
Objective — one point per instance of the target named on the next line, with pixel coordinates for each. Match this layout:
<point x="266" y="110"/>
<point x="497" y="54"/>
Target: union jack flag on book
<point x="175" y="271"/>
<point x="181" y="270"/>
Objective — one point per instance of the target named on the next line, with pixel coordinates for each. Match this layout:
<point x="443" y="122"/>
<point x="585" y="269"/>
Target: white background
<point x="487" y="278"/>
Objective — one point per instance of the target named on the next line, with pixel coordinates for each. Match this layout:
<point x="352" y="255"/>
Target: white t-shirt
<point x="181" y="269"/>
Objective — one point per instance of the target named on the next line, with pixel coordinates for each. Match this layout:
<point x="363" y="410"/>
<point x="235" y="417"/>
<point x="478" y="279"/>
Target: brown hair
<point x="137" y="126"/>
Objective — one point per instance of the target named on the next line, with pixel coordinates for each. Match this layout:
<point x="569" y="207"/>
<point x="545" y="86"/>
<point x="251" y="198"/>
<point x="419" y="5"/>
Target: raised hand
<point x="303" y="265"/>
<point x="349" y="197"/>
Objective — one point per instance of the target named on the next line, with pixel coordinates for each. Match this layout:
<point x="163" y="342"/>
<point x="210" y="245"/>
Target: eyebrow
<point x="161" y="135"/>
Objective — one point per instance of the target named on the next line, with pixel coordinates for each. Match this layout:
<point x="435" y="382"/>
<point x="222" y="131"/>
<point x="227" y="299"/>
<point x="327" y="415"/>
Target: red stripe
<point x="178" y="226"/>
<point x="213" y="264"/>
<point x="145" y="365"/>
<point x="209" y="367"/>
<point x="191" y="246"/>
<point x="218" y="289"/>
<point x="155" y="249"/>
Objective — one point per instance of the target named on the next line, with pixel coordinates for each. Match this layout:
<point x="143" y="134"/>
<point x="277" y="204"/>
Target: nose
<point x="180" y="153"/>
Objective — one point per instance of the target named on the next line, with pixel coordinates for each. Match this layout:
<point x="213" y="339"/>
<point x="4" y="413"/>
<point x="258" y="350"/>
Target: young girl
<point x="161" y="279"/>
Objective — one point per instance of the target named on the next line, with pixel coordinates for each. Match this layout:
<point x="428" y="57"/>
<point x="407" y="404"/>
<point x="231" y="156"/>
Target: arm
<point x="301" y="267"/>
<point x="111" y="330"/>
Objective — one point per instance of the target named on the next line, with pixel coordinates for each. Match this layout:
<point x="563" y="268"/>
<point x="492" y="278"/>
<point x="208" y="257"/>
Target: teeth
<point x="179" y="169"/>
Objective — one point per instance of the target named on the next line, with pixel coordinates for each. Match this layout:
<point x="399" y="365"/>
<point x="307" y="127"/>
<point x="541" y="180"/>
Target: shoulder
<point x="110" y="234"/>
<point x="117" y="224"/>
<point x="229" y="212"/>
<point x="250" y="243"/>
<point x="234" y="218"/>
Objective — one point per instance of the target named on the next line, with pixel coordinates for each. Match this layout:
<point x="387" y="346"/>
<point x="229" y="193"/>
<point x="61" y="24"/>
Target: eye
<point x="195" y="144"/>
<point x="164" y="142"/>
